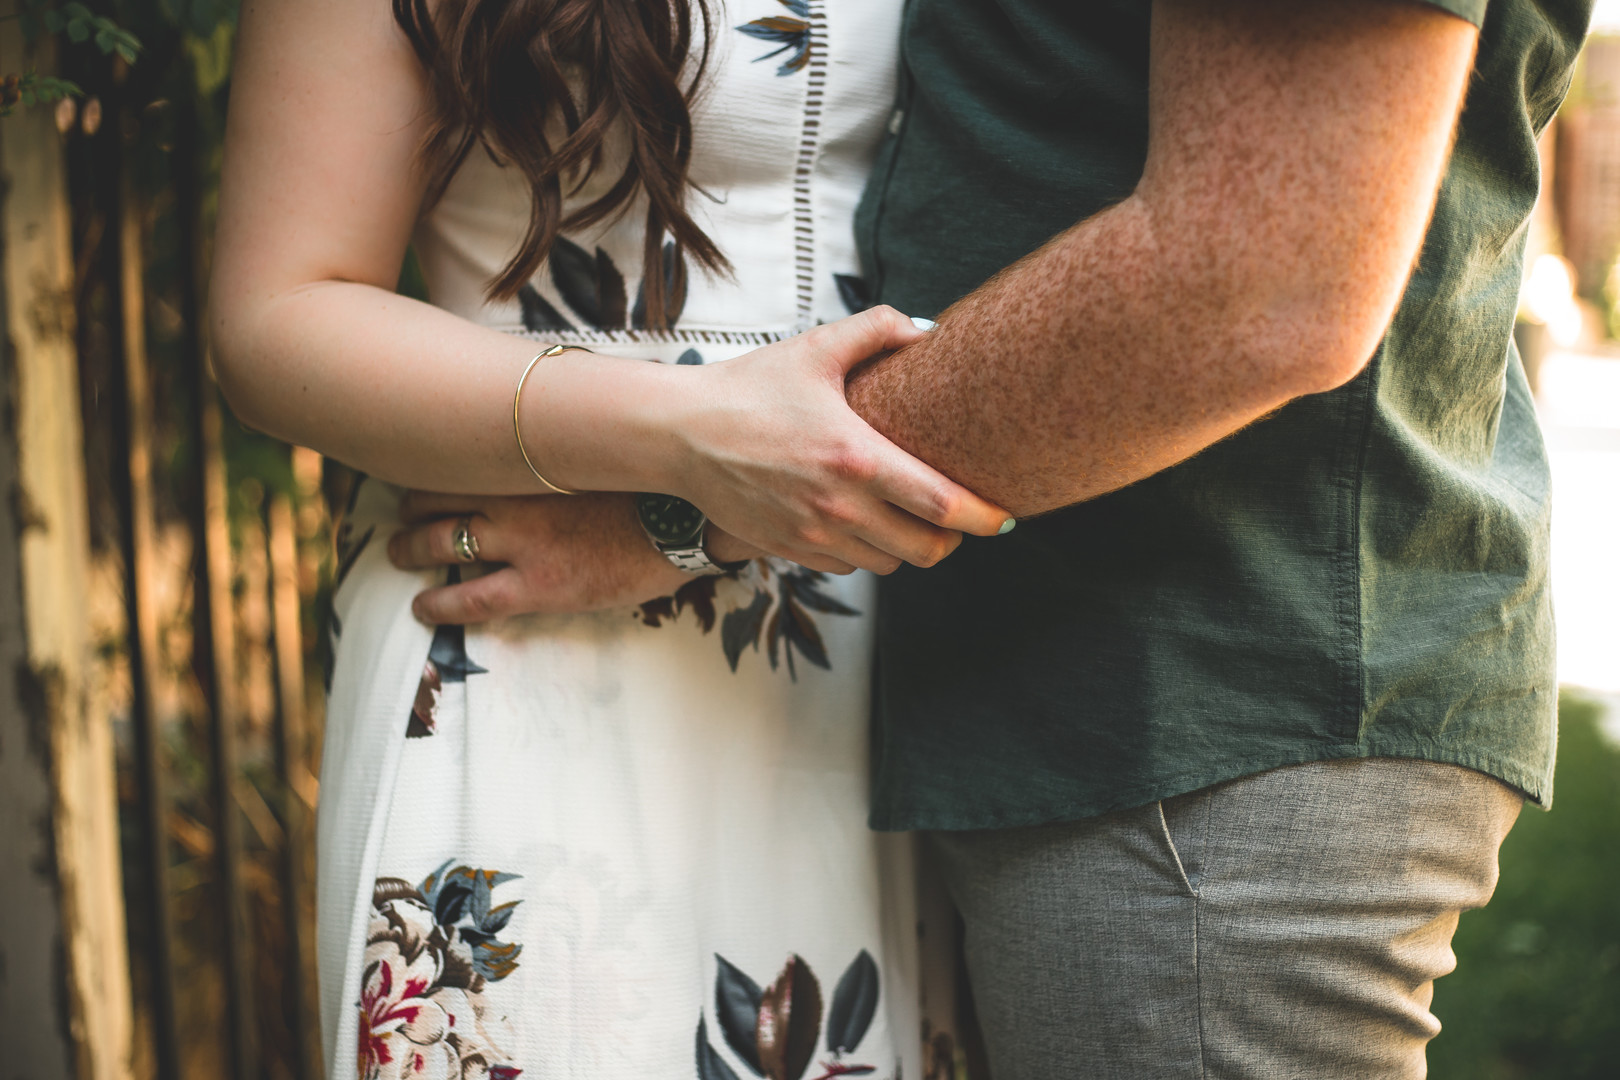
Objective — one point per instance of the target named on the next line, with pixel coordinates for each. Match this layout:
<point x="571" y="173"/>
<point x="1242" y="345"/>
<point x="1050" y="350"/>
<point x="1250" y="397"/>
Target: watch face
<point x="669" y="520"/>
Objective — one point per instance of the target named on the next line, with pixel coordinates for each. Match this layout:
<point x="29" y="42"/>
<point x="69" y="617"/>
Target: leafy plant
<point x="79" y="25"/>
<point x="32" y="88"/>
<point x="1536" y="993"/>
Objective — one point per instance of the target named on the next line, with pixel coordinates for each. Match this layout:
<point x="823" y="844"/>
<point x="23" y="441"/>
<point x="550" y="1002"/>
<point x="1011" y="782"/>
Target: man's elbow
<point x="1335" y="364"/>
<point x="1322" y="347"/>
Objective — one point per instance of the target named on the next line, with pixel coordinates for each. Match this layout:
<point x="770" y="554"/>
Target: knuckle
<point x="885" y="567"/>
<point x="439" y="542"/>
<point x="934" y="552"/>
<point x="475" y="607"/>
<point x="852" y="463"/>
<point x="839" y="511"/>
<point x="813" y="537"/>
<point x="945" y="503"/>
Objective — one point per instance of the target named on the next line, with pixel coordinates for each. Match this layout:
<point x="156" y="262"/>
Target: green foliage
<point x="32" y="88"/>
<point x="79" y="24"/>
<point x="1536" y="994"/>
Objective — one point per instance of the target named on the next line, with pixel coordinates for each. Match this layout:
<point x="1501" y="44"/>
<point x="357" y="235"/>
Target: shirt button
<point x="895" y="120"/>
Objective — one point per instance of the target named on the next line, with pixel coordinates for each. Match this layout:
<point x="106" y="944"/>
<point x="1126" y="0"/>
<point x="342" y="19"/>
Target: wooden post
<point x="291" y="755"/>
<point x="64" y="969"/>
<point x="214" y="644"/>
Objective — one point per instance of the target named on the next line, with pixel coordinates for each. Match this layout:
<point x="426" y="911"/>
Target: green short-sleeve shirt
<point x="1364" y="573"/>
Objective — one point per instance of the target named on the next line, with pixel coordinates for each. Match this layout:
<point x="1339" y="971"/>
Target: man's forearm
<point x="1293" y="162"/>
<point x="1076" y="371"/>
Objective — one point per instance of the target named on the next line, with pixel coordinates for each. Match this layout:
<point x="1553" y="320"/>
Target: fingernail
<point x="923" y="324"/>
<point x="1007" y="526"/>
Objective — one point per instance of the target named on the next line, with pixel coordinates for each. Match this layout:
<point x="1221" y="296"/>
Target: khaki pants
<point x="1288" y="924"/>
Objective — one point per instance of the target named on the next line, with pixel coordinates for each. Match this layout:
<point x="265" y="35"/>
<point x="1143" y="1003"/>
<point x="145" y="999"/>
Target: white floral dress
<point x="631" y="844"/>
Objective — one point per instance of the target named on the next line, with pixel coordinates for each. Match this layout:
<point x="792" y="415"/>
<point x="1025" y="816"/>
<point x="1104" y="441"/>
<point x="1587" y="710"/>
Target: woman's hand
<point x="562" y="554"/>
<point x="772" y="452"/>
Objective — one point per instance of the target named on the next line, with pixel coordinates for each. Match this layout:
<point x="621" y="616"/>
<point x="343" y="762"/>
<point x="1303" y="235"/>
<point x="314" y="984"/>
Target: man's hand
<point x="562" y="554"/>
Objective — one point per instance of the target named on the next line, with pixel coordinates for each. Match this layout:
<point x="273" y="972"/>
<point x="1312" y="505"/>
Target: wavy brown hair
<point x="497" y="71"/>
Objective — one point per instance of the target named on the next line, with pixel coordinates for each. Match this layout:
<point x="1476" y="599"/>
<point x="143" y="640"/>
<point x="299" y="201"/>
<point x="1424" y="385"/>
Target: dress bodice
<point x="792" y="107"/>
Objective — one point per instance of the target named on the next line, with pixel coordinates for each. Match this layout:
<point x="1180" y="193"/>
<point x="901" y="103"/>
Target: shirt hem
<point x="1535" y="788"/>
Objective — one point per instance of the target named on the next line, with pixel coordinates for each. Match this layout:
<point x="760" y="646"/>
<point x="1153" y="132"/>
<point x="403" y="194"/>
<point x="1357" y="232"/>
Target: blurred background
<point x="163" y="573"/>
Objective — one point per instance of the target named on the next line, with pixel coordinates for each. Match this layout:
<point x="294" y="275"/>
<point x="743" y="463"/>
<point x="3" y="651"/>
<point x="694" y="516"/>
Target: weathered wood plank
<point x="64" y="980"/>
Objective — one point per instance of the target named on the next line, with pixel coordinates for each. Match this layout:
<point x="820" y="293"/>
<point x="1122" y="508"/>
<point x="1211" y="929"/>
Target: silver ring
<point x="464" y="543"/>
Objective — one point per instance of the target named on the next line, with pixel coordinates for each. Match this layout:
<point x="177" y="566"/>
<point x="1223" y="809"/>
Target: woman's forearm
<point x="409" y="393"/>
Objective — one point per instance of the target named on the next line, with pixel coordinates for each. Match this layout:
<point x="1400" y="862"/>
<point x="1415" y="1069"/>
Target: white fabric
<point x="659" y="809"/>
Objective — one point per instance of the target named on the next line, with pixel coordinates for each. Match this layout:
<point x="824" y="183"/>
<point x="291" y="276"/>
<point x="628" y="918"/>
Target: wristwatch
<point x="676" y="528"/>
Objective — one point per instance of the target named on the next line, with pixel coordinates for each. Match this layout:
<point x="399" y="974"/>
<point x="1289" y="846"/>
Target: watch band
<point x="693" y="560"/>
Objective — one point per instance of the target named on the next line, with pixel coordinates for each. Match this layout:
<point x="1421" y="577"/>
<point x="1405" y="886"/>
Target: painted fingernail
<point x="1007" y="526"/>
<point x="923" y="324"/>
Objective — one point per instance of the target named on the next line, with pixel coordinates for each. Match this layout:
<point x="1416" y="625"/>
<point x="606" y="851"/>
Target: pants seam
<point x="1204" y="856"/>
<point x="1197" y="902"/>
<point x="1198" y="985"/>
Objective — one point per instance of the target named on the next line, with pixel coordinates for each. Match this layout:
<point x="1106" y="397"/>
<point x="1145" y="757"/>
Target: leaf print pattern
<point x="790" y="622"/>
<point x="591" y="286"/>
<point x="736" y="1005"/>
<point x="674" y="293"/>
<point x="447" y="662"/>
<point x="710" y="1065"/>
<point x="697" y="594"/>
<point x="790" y="32"/>
<point x="741" y="627"/>
<point x="773" y="1030"/>
<point x="593" y="289"/>
<point x="348" y="548"/>
<point x="431" y="953"/>
<point x="782" y="606"/>
<point x="854" y="1004"/>
<point x="789" y="1021"/>
<point x="538" y="314"/>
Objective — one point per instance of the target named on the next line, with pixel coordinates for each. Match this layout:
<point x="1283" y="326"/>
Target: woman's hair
<point x="497" y="70"/>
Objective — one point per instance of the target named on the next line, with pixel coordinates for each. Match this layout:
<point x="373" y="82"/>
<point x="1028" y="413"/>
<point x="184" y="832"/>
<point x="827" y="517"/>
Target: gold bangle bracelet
<point x="517" y="402"/>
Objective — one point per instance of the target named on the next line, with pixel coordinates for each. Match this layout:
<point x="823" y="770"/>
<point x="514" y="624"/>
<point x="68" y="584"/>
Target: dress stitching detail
<point x="804" y="255"/>
<point x="656" y="337"/>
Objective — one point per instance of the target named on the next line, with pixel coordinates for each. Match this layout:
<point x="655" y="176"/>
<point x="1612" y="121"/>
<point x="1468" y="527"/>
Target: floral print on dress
<point x="447" y="662"/>
<point x="789" y="32"/>
<point x="782" y="601"/>
<point x="774" y="1030"/>
<point x="432" y="950"/>
<point x="591" y="287"/>
<point x="349" y="547"/>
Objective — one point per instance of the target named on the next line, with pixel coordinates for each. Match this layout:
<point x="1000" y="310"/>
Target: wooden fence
<point x="161" y="568"/>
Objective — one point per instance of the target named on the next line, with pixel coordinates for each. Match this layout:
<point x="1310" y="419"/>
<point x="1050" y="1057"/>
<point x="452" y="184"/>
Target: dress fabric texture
<point x="631" y="843"/>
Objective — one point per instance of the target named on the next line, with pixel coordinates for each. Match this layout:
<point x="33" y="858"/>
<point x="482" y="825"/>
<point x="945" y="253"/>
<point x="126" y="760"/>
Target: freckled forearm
<point x="1259" y="259"/>
<point x="1080" y="369"/>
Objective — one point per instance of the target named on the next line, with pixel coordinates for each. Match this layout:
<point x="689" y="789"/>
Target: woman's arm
<point x="321" y="190"/>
